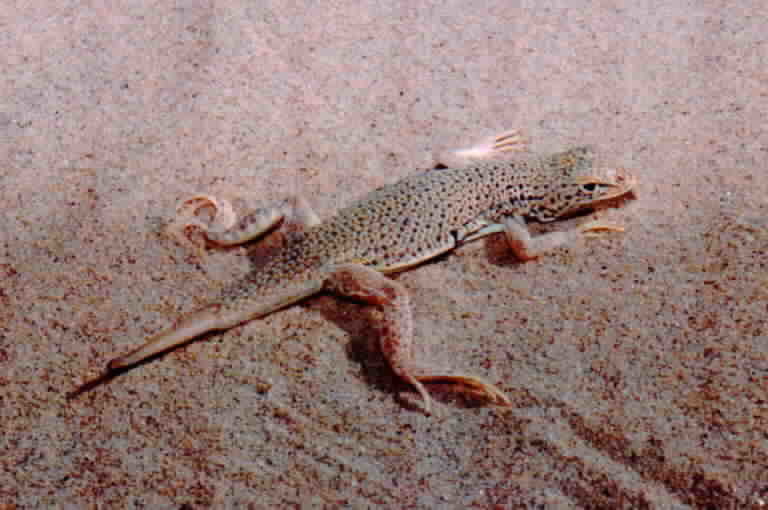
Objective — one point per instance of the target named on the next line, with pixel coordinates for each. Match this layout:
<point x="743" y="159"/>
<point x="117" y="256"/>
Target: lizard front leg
<point x="527" y="247"/>
<point x="395" y="329"/>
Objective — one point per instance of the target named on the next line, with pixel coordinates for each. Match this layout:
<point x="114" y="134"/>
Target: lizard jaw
<point x="621" y="180"/>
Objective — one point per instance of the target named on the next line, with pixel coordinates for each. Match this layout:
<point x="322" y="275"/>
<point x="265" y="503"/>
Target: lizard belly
<point x="417" y="258"/>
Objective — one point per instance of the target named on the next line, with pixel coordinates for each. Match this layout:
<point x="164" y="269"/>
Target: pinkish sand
<point x="637" y="363"/>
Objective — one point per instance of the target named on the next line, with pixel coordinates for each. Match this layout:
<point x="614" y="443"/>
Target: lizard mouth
<point x="614" y="182"/>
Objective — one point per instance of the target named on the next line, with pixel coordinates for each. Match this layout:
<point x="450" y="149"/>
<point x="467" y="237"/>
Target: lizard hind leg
<point x="225" y="229"/>
<point x="395" y="329"/>
<point x="488" y="148"/>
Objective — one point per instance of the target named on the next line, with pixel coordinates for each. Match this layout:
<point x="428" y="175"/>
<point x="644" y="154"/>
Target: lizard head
<point x="573" y="184"/>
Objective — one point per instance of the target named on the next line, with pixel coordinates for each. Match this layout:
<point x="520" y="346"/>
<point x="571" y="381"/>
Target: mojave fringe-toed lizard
<point x="393" y="229"/>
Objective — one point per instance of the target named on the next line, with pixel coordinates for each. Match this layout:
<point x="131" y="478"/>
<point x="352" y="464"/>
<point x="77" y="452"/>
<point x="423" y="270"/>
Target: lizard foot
<point x="485" y="149"/>
<point x="591" y="228"/>
<point x="472" y="386"/>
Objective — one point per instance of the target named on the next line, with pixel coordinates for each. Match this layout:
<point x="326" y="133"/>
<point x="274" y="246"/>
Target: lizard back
<point x="402" y="224"/>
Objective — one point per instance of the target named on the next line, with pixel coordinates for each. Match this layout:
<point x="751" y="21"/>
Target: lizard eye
<point x="589" y="186"/>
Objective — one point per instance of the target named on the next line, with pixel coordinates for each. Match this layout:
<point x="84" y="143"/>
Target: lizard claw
<point x="186" y="218"/>
<point x="472" y="386"/>
<point x="599" y="226"/>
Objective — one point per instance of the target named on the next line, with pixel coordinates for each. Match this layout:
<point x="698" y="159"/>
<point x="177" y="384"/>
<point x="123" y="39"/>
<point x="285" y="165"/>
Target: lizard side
<point x="393" y="229"/>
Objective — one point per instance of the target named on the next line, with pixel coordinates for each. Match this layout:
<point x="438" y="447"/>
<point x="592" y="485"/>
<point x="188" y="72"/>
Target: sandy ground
<point x="637" y="362"/>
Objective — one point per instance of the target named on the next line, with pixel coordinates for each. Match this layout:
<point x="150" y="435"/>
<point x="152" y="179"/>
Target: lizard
<point x="473" y="193"/>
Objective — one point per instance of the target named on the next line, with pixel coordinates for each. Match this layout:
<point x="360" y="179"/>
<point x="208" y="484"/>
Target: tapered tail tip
<point x="115" y="365"/>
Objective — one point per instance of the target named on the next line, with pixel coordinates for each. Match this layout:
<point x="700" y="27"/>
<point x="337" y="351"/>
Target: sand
<point x="637" y="363"/>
